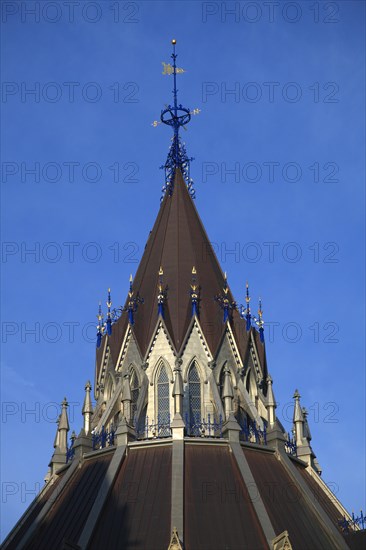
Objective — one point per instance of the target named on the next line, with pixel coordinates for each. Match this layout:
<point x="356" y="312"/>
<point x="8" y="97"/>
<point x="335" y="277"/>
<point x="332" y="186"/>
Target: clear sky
<point x="279" y="176"/>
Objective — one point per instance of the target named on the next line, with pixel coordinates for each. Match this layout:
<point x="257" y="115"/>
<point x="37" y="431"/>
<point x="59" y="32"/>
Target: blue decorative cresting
<point x="224" y="301"/>
<point x="105" y="326"/>
<point x="176" y="116"/>
<point x="290" y="445"/>
<point x="200" y="427"/>
<point x="252" y="320"/>
<point x="104" y="438"/>
<point x="251" y="433"/>
<point x="194" y="293"/>
<point x="70" y="452"/>
<point x="354" y="524"/>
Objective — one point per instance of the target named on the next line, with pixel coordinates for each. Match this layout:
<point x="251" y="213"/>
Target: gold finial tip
<point x="131" y="279"/>
<point x="109" y="290"/>
<point x="174" y="41"/>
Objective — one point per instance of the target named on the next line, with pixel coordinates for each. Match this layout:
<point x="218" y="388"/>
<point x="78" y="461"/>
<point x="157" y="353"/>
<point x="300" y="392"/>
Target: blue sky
<point x="279" y="177"/>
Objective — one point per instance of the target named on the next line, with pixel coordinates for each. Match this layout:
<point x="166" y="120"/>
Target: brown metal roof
<point x="178" y="242"/>
<point x="285" y="504"/>
<point x="137" y="513"/>
<point x="28" y="521"/>
<point x="218" y="512"/>
<point x="67" y="517"/>
<point x="319" y="495"/>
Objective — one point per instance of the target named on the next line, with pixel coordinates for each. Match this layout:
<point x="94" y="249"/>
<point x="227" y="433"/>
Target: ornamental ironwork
<point x="252" y="433"/>
<point x="104" y="438"/>
<point x="176" y="116"/>
<point x="290" y="445"/>
<point x="200" y="427"/>
<point x="70" y="452"/>
<point x="153" y="429"/>
<point x="356" y="522"/>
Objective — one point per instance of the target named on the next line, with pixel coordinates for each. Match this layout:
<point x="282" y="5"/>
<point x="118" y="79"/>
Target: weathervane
<point x="176" y="116"/>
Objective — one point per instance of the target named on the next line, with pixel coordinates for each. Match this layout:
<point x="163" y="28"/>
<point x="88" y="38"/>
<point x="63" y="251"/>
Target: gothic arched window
<point x="194" y="394"/>
<point x="135" y="390"/>
<point x="162" y="394"/>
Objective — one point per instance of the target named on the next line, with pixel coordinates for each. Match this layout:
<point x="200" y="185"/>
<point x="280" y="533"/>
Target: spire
<point x="298" y="420"/>
<point x="87" y="408"/>
<point x="57" y="435"/>
<point x="307" y="433"/>
<point x="178" y="388"/>
<point x="175" y="116"/>
<point x="126" y="397"/>
<point x="227" y="392"/>
<point x="63" y="426"/>
<point x="271" y="403"/>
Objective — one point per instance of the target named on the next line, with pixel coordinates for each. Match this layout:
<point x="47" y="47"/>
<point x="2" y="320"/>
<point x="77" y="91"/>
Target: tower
<point x="183" y="448"/>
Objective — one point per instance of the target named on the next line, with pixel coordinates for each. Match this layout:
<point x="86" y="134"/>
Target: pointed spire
<point x="109" y="316"/>
<point x="227" y="392"/>
<point x="298" y="420"/>
<point x="194" y="293"/>
<point x="63" y="426"/>
<point x="126" y="397"/>
<point x="307" y="433"/>
<point x="57" y="435"/>
<point x="87" y="408"/>
<point x="178" y="387"/>
<point x="161" y="294"/>
<point x="271" y="402"/>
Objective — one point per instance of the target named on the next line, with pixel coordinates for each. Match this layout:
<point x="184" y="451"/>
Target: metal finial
<point x="161" y="293"/>
<point x="248" y="316"/>
<point x="224" y="301"/>
<point x="175" y="116"/>
<point x="194" y="293"/>
<point x="109" y="317"/>
<point x="100" y="326"/>
<point x="260" y="321"/>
